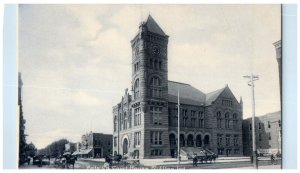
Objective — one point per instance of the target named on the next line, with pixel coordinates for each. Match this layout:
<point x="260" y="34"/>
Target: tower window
<point x="137" y="116"/>
<point x="155" y="64"/>
<point x="156" y="115"/>
<point x="160" y="67"/>
<point x="151" y="63"/>
<point x="136" y="89"/>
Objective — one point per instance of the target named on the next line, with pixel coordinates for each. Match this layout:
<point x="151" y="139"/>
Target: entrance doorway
<point x="125" y="146"/>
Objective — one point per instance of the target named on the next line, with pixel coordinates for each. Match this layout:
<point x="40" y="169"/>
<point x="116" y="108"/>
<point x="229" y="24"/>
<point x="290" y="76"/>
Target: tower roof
<point x="153" y="26"/>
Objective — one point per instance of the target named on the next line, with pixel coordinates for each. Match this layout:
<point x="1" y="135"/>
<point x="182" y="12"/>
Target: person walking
<point x="195" y="160"/>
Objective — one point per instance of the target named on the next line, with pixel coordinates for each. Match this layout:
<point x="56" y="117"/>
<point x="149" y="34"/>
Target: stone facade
<point x="267" y="132"/>
<point x="145" y="122"/>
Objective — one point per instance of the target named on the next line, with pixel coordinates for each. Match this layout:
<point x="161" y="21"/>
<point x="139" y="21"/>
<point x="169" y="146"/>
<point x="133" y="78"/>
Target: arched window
<point x="155" y="81"/>
<point x="125" y="121"/>
<point x="235" y="121"/>
<point x="136" y="89"/>
<point x="227" y="121"/>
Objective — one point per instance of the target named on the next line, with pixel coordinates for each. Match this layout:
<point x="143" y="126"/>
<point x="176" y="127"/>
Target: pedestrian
<point x="195" y="160"/>
<point x="272" y="159"/>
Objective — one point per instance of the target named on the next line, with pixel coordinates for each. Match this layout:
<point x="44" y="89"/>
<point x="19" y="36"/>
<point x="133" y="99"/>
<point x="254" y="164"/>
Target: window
<point x="227" y="121"/>
<point x="259" y="137"/>
<point x="156" y="115"/>
<point x="160" y="66"/>
<point x="129" y="119"/>
<point x="115" y="141"/>
<point x="227" y="102"/>
<point x="115" y="124"/>
<point x="175" y="123"/>
<point x="151" y="63"/>
<point x="136" y="89"/>
<point x="219" y="120"/>
<point x="250" y="126"/>
<point x="137" y="139"/>
<point x="269" y="124"/>
<point x="156" y="137"/>
<point x="184" y="118"/>
<point x="155" y="64"/>
<point x="269" y="135"/>
<point x="125" y="121"/>
<point x="201" y="120"/>
<point x="193" y="118"/>
<point x="156" y="152"/>
<point x="235" y="140"/>
<point x="235" y="121"/>
<point x="121" y="120"/>
<point x="227" y="140"/>
<point x="155" y="90"/>
<point x="137" y="116"/>
<point x="108" y="143"/>
<point x="219" y="142"/>
<point x="259" y="126"/>
<point x="279" y="123"/>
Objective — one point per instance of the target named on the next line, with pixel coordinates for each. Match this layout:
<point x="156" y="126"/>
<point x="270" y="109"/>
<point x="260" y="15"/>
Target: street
<point x="222" y="163"/>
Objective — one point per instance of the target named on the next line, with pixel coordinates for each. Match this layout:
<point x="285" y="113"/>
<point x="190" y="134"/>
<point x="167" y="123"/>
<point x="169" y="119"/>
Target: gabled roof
<point x="153" y="26"/>
<point x="212" y="96"/>
<point x="188" y="94"/>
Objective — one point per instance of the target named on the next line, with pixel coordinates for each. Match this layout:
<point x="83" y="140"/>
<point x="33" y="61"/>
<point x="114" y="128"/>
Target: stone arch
<point x="190" y="140"/>
<point x="206" y="140"/>
<point x="172" y="138"/>
<point x="182" y="140"/>
<point x="152" y="77"/>
<point x="125" y="146"/>
<point x="199" y="140"/>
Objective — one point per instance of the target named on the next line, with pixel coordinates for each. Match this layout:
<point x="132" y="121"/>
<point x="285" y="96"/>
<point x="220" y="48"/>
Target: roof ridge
<point x="179" y="82"/>
<point x="215" y="91"/>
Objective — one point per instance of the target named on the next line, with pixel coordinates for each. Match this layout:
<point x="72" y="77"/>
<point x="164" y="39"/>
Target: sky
<point x="75" y="60"/>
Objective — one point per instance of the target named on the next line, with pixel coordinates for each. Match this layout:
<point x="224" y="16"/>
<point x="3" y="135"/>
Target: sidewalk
<point x="262" y="167"/>
<point x="171" y="161"/>
<point x="92" y="159"/>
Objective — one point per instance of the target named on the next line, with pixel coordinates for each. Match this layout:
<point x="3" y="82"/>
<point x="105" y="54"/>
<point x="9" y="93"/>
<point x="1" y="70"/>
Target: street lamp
<point x="254" y="152"/>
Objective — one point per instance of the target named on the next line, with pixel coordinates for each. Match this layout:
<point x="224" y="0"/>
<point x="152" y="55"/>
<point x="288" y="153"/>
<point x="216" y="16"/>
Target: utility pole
<point x="178" y="133"/>
<point x="254" y="151"/>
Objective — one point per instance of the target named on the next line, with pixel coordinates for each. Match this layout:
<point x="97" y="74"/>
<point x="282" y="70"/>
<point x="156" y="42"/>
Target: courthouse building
<point x="145" y="121"/>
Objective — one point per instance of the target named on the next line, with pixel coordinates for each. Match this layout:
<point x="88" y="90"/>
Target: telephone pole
<point x="254" y="150"/>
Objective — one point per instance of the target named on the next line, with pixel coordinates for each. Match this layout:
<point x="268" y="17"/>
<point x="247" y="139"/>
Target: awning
<point x="86" y="151"/>
<point x="76" y="153"/>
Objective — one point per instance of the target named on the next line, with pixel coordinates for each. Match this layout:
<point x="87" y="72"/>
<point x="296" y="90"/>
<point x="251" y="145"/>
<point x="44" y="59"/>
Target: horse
<point x="71" y="161"/>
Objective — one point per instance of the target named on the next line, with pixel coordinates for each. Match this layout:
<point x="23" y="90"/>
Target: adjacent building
<point x="95" y="145"/>
<point x="268" y="134"/>
<point x="145" y="120"/>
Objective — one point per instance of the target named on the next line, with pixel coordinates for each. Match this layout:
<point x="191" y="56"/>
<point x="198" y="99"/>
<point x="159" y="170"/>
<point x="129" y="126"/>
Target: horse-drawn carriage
<point x="204" y="158"/>
<point x="119" y="161"/>
<point x="65" y="160"/>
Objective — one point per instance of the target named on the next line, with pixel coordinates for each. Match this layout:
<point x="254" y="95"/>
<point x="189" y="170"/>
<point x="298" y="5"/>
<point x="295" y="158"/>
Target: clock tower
<point x="150" y="88"/>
